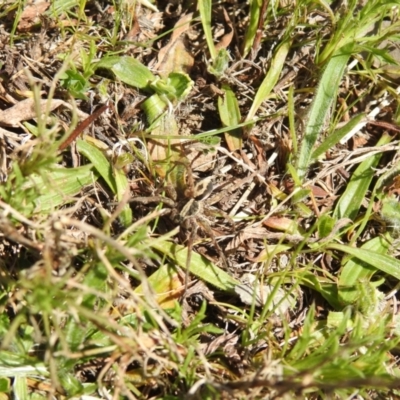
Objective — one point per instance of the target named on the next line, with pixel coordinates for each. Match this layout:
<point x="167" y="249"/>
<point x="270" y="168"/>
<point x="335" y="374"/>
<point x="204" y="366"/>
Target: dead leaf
<point x="318" y="192"/>
<point x="174" y="57"/>
<point x="163" y="150"/>
<point x="282" y="224"/>
<point x="26" y="110"/>
<point x="227" y="38"/>
<point x="200" y="155"/>
<point x="31" y="16"/>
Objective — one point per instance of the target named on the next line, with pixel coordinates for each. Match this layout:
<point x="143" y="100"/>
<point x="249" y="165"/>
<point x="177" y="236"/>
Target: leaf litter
<point x="275" y="196"/>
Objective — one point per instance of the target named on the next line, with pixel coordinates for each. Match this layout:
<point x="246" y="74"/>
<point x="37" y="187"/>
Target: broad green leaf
<point x="381" y="262"/>
<point x="164" y="128"/>
<point x="321" y="106"/>
<point x="358" y="271"/>
<point x="229" y="113"/>
<point x="73" y="334"/>
<point x="154" y="108"/>
<point x="167" y="285"/>
<point x="378" y="193"/>
<point x="13" y="363"/>
<point x="99" y="161"/>
<point x="70" y="383"/>
<point x="199" y="266"/>
<point x="60" y="6"/>
<point x="128" y="70"/>
<point x="350" y="201"/>
<point x="177" y="86"/>
<point x="96" y="279"/>
<point x="60" y="186"/>
<point x="270" y="79"/>
<point x="335" y="318"/>
<point x="181" y="83"/>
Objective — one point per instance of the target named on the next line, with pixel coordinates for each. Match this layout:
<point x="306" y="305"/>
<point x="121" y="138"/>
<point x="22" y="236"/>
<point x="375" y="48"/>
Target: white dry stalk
<point x="370" y="117"/>
<point x="242" y="199"/>
<point x="365" y="154"/>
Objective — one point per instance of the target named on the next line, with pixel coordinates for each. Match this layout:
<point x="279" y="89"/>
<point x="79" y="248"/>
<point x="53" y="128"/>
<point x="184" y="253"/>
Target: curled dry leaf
<point x="174" y="57"/>
<point x="227" y="38"/>
<point x="282" y="224"/>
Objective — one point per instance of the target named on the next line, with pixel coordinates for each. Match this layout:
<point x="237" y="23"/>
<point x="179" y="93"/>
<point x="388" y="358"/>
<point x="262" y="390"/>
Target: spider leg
<point x="192" y="237"/>
<point x="153" y="200"/>
<point x="208" y="210"/>
<point x="207" y="228"/>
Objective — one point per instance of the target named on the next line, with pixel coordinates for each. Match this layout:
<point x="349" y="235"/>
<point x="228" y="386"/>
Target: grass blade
<point x="351" y="200"/>
<point x="255" y="10"/>
<point x="270" y="79"/>
<point x="122" y="185"/>
<point x="204" y="7"/>
<point x="381" y="262"/>
<point x="357" y="271"/>
<point x="336" y="136"/>
<point x="321" y="106"/>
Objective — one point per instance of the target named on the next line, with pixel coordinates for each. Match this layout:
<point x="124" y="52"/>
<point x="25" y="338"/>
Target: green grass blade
<point x="255" y="8"/>
<point x="99" y="161"/>
<point x="336" y="136"/>
<point x="381" y="262"/>
<point x="291" y="117"/>
<point x="351" y="200"/>
<point x="321" y="106"/>
<point x="204" y="7"/>
<point x="353" y="26"/>
<point x="270" y="79"/>
<point x="356" y="270"/>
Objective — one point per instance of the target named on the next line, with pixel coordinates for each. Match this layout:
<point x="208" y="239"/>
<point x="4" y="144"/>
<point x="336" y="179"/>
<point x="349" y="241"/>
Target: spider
<point x="187" y="208"/>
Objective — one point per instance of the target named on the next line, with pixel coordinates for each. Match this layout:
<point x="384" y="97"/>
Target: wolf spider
<point x="187" y="208"/>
